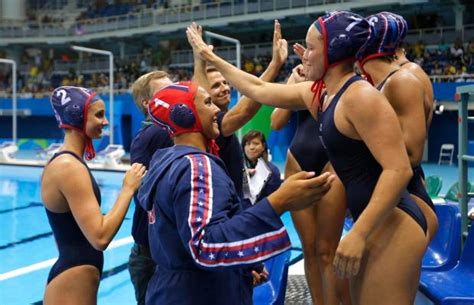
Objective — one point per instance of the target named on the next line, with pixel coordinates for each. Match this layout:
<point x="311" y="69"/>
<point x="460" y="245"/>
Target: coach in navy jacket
<point x="199" y="235"/>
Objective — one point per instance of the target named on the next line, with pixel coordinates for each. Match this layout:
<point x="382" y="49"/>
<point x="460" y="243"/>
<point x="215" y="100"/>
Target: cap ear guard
<point x="343" y="34"/>
<point x="74" y="114"/>
<point x="340" y="41"/>
<point x="172" y="107"/>
<point x="182" y="116"/>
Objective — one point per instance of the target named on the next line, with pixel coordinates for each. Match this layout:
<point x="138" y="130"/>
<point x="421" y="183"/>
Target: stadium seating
<point x="443" y="251"/>
<point x="455" y="286"/>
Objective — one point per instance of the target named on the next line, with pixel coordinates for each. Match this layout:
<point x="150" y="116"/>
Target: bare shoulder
<point x="361" y="95"/>
<point x="417" y="71"/>
<point x="412" y="67"/>
<point x="305" y="89"/>
<point x="402" y="89"/>
<point x="66" y="168"/>
<point x="402" y="80"/>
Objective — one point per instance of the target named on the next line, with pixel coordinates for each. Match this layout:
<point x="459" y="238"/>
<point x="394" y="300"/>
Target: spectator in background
<point x="436" y="70"/>
<point x="255" y="150"/>
<point x="457" y="50"/>
<point x="419" y="49"/>
<point x="470" y="47"/>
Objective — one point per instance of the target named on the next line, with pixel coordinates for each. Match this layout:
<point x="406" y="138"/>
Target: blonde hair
<point x="141" y="89"/>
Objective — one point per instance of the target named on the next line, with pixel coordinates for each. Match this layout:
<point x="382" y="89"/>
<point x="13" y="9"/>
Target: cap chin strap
<point x="319" y="85"/>
<point x="317" y="89"/>
<point x="90" y="152"/>
<point x="213" y="148"/>
<point x="366" y="59"/>
<point x="366" y="75"/>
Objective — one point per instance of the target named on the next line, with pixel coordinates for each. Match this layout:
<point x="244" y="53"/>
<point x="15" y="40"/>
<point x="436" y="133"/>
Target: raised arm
<point x="278" y="95"/>
<point x="75" y="185"/>
<point x="246" y="108"/>
<point x="200" y="75"/>
<point x="380" y="130"/>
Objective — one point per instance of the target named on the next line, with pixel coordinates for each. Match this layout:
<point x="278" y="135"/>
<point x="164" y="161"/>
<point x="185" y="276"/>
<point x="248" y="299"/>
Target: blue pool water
<point x="26" y="239"/>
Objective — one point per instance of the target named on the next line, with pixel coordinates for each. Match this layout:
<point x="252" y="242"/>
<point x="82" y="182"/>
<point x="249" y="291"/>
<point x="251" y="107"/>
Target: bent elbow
<point x="406" y="173"/>
<point x="101" y="244"/>
<point x="275" y="125"/>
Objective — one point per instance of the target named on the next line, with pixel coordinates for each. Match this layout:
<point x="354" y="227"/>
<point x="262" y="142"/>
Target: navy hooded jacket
<point x="200" y="238"/>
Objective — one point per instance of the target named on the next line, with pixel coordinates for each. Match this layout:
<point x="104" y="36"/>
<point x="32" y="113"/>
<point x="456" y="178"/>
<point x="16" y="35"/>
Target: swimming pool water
<point x="26" y="239"/>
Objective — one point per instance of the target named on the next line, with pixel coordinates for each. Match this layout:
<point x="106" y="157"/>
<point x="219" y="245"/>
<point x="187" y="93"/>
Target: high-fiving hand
<point x="200" y="48"/>
<point x="280" y="45"/>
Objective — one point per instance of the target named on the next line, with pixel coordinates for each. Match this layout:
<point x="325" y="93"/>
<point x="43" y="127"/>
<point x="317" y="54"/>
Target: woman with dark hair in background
<point x="255" y="150"/>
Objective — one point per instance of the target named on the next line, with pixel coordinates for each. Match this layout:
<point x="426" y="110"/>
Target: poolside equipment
<point x="7" y="150"/>
<point x="434" y="185"/>
<point x="443" y="251"/>
<point x="454" y="286"/>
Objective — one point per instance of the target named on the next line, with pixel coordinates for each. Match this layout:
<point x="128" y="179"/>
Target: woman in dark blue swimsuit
<point x="71" y="197"/>
<point x="381" y="255"/>
<point x="319" y="227"/>
<point x="406" y="94"/>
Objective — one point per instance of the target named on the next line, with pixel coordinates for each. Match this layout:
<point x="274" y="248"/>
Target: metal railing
<point x="466" y="95"/>
<point x="439" y="34"/>
<point x="451" y="78"/>
<point x="150" y="20"/>
<point x="184" y="58"/>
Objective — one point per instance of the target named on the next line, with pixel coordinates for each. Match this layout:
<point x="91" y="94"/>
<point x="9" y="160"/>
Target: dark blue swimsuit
<point x="74" y="249"/>
<point x="306" y="145"/>
<point x="415" y="186"/>
<point x="356" y="166"/>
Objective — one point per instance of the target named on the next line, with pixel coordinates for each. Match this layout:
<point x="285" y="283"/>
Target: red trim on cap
<point x="67" y="126"/>
<point x="325" y="38"/>
<point x="364" y="60"/>
<point x="370" y="57"/>
<point x="86" y="110"/>
<point x="90" y="152"/>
